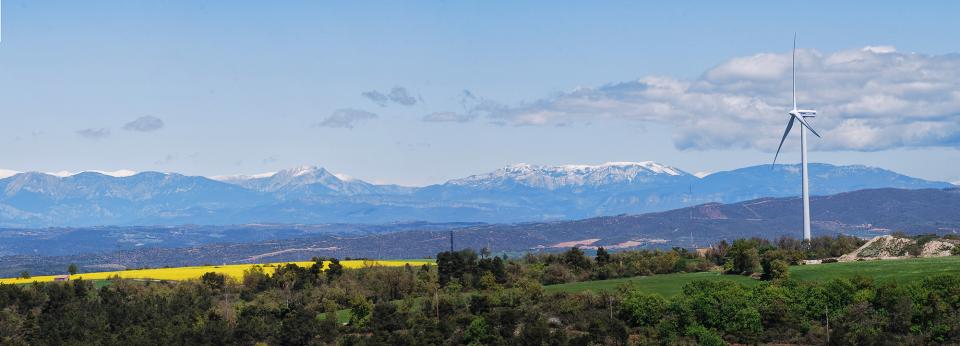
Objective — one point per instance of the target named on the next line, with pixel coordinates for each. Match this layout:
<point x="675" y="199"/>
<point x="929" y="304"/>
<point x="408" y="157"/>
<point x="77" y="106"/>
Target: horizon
<point x="226" y="178"/>
<point x="208" y="89"/>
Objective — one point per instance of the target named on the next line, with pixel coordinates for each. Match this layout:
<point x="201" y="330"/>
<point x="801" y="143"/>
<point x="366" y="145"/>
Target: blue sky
<point x="420" y="92"/>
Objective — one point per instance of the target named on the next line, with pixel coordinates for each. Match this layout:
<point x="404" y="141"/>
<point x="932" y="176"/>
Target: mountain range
<point x="311" y="195"/>
<point x="863" y="213"/>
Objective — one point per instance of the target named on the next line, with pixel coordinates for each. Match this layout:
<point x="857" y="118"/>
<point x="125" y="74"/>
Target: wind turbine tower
<point x="800" y="115"/>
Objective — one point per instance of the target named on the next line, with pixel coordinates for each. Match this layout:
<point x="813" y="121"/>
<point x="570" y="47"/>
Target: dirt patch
<point x="937" y="248"/>
<point x="573" y="243"/>
<point x="890" y="247"/>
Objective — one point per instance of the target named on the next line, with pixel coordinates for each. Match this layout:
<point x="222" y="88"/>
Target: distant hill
<point x="313" y="195"/>
<point x="865" y="213"/>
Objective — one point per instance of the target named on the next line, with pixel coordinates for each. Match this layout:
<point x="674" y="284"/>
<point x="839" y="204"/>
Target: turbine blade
<point x="805" y="124"/>
<point x="785" y="133"/>
<point x="794" y="71"/>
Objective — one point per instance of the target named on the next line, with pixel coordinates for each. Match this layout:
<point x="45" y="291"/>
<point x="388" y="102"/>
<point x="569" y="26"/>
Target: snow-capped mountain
<point x="36" y="199"/>
<point x="574" y="176"/>
<point x="6" y="173"/>
<point x="306" y="181"/>
<point x="311" y="194"/>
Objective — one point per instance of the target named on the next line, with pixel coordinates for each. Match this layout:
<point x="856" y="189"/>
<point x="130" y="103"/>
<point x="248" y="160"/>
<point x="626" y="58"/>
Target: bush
<point x="779" y="270"/>
<point x="642" y="309"/>
<point x="704" y="336"/>
<point x="558" y="274"/>
<point x="745" y="256"/>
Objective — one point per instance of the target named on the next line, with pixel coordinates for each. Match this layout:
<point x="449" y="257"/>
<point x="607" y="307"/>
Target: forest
<point x="475" y="298"/>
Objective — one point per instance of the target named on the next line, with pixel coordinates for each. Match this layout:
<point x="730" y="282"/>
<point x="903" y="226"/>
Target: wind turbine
<point x="799" y="115"/>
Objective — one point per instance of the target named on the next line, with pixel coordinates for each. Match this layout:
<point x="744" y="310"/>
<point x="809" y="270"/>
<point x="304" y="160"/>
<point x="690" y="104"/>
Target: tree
<point x="360" y="311"/>
<point x="24" y="274"/>
<point x="299" y="326"/>
<point x="334" y="269"/>
<point x="214" y="281"/>
<point x="477" y="333"/>
<point x="779" y="270"/>
<point x="775" y="265"/>
<point x="603" y="257"/>
<point x="575" y="258"/>
<point x="457" y="265"/>
<point x="704" y="336"/>
<point x="643" y="309"/>
<point x="745" y="257"/>
<point x="72" y="269"/>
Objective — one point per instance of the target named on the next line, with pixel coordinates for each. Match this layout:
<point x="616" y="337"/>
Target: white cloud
<point x="144" y="124"/>
<point x="873" y="98"/>
<point x="345" y="118"/>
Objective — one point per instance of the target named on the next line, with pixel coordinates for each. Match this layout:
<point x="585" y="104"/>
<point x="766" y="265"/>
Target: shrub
<point x="704" y="336"/>
<point x="746" y="257"/>
<point x="642" y="309"/>
<point x="779" y="270"/>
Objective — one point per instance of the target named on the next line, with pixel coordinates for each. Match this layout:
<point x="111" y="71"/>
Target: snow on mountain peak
<point x="702" y="174"/>
<point x="554" y="177"/>
<point x="344" y="177"/>
<point x="120" y="173"/>
<point x="648" y="165"/>
<point x="303" y="170"/>
<point x="241" y="177"/>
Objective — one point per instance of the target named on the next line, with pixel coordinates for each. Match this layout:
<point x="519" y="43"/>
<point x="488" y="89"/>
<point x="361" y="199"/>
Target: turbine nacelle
<point x="805" y="113"/>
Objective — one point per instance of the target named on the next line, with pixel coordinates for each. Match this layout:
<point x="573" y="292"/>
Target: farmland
<point x="186" y="273"/>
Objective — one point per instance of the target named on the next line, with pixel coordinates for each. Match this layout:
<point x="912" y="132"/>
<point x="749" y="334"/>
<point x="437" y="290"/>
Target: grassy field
<point x="186" y="273"/>
<point x="903" y="270"/>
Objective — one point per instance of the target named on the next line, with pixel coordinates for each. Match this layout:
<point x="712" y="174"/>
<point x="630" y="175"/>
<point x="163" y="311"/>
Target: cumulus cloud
<point x="345" y="118"/>
<point x="94" y="133"/>
<point x="873" y="98"/>
<point x="144" y="124"/>
<point x="398" y="95"/>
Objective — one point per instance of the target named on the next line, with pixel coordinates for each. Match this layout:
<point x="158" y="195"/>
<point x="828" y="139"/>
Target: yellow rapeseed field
<point x="187" y="273"/>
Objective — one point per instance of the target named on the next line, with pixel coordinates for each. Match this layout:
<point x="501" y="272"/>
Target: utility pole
<point x="451" y="241"/>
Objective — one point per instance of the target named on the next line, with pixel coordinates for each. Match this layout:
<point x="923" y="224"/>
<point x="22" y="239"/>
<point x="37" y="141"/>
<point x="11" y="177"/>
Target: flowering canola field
<point x="187" y="273"/>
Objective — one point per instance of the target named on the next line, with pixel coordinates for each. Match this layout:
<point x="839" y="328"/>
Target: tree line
<point x="489" y="300"/>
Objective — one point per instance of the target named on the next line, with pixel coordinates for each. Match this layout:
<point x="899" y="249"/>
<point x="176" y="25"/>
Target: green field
<point x="904" y="270"/>
<point x="668" y="285"/>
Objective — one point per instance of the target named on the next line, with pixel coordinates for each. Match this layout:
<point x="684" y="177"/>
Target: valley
<point x="864" y="213"/>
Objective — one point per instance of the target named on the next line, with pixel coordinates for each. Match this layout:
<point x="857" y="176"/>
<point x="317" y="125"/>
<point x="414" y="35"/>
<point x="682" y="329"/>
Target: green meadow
<point x="903" y="270"/>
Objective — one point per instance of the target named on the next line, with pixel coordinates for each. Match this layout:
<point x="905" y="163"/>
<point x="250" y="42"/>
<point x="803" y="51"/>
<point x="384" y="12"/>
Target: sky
<point x="419" y="92"/>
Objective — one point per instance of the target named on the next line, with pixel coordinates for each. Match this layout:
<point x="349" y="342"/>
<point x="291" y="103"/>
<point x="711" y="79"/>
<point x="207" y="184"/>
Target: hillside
<point x="865" y="213"/>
